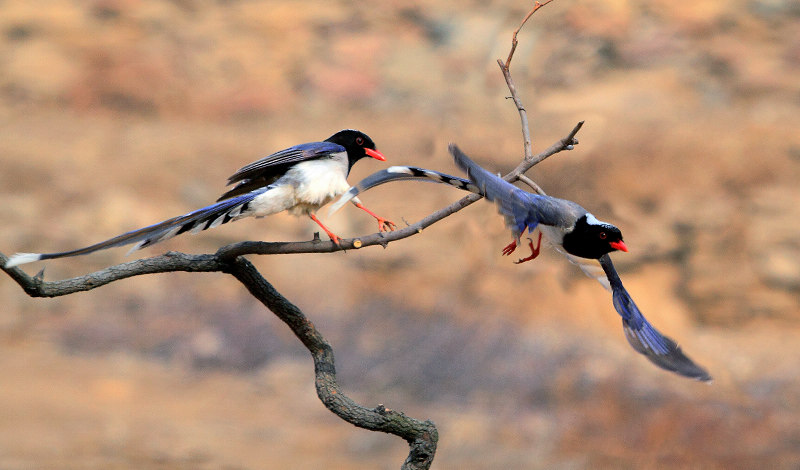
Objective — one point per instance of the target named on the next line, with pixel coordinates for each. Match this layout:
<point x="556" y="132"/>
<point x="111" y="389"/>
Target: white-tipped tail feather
<point x="396" y="173"/>
<point x="211" y="216"/>
<point x="22" y="258"/>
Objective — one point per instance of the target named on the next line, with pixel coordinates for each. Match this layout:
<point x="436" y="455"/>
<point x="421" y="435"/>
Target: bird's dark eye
<point x="360" y="140"/>
<point x="602" y="235"/>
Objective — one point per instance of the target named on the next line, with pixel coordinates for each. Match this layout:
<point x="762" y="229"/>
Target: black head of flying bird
<point x="299" y="179"/>
<point x="570" y="229"/>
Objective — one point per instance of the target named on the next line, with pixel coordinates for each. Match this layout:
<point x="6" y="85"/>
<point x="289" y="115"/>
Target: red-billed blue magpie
<point x="299" y="179"/>
<point x="569" y="228"/>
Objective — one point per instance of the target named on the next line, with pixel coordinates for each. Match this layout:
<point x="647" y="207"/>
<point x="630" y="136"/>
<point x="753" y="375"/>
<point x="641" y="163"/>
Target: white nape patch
<point x="22" y="258"/>
<point x="592" y="220"/>
<point x="399" y="169"/>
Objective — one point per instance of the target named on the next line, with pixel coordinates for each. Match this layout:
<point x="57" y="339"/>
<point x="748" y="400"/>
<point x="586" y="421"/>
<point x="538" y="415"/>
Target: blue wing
<point x="645" y="339"/>
<point x="521" y="209"/>
<point x="267" y="170"/>
<point x="298" y="153"/>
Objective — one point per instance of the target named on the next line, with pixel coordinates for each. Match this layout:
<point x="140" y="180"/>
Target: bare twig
<point x="536" y="188"/>
<point x="514" y="42"/>
<point x="527" y="144"/>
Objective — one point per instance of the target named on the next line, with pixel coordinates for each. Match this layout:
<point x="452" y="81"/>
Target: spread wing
<point x="267" y="170"/>
<point x="521" y="209"/>
<point x="645" y="339"/>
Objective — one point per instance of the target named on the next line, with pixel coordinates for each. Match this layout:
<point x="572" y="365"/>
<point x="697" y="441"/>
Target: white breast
<point x="305" y="188"/>
<point x="553" y="235"/>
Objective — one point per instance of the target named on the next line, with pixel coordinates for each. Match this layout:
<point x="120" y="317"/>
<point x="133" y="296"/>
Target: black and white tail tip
<point x="202" y="219"/>
<point x="397" y="173"/>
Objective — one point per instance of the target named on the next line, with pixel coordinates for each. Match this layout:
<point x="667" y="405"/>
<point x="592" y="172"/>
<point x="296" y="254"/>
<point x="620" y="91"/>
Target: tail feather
<point x="22" y="258"/>
<point x="195" y="221"/>
<point x="644" y="337"/>
<point x="397" y="173"/>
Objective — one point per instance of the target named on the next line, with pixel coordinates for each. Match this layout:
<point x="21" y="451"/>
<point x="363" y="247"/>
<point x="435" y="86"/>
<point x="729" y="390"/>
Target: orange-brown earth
<point x="116" y="114"/>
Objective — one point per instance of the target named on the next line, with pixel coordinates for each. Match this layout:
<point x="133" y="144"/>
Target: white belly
<point x="304" y="189"/>
<point x="318" y="182"/>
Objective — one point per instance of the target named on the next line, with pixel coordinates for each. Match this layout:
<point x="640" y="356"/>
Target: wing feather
<point x="291" y="155"/>
<point x="520" y="208"/>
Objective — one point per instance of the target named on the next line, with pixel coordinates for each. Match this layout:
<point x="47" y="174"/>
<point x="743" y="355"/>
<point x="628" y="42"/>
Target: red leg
<point x="334" y="238"/>
<point x="383" y="224"/>
<point x="534" y="251"/>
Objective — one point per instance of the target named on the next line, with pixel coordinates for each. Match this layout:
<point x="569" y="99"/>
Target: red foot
<point x="510" y="248"/>
<point x="534" y="251"/>
<point x="384" y="225"/>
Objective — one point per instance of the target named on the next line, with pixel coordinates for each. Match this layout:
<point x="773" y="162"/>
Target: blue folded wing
<point x="291" y="155"/>
<point x="645" y="339"/>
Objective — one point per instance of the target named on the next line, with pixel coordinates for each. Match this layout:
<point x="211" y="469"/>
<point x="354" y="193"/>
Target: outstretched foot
<point x="384" y="225"/>
<point x="534" y="250"/>
<point x="510" y="248"/>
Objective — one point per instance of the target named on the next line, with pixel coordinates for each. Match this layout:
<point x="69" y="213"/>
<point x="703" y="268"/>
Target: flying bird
<point x="299" y="179"/>
<point x="570" y="229"/>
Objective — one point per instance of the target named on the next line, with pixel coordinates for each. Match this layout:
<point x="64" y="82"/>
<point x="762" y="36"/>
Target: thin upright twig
<point x="514" y="42"/>
<point x="527" y="144"/>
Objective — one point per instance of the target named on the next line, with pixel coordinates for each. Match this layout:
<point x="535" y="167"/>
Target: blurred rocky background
<point x="115" y="114"/>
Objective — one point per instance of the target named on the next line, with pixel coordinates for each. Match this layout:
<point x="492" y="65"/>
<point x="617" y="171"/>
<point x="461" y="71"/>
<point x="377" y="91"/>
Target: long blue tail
<point x="195" y="221"/>
<point x="645" y="339"/>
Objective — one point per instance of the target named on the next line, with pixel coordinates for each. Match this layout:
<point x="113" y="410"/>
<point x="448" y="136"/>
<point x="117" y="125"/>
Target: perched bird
<point x="299" y="179"/>
<point x="570" y="229"/>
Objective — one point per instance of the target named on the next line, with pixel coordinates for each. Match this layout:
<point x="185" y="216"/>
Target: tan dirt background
<point x="115" y="114"/>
